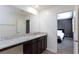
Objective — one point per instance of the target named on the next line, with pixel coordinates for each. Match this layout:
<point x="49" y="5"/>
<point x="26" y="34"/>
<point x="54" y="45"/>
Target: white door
<point x="75" y="27"/>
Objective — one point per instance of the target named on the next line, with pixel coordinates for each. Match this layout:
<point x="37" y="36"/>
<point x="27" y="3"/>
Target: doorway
<point x="65" y="32"/>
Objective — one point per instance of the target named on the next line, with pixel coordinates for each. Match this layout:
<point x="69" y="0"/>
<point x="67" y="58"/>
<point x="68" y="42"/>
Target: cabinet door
<point x="27" y="48"/>
<point x="35" y="46"/>
<point x="39" y="45"/>
<point x="42" y="44"/>
<point x="39" y="48"/>
<point x="45" y="42"/>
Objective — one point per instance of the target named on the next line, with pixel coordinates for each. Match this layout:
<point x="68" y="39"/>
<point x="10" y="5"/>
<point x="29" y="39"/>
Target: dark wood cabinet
<point x="35" y="46"/>
<point x="39" y="46"/>
<point x="45" y="42"/>
<point x="27" y="47"/>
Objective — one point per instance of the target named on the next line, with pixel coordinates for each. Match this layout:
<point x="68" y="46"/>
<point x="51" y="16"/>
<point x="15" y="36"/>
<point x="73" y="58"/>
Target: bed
<point x="60" y="35"/>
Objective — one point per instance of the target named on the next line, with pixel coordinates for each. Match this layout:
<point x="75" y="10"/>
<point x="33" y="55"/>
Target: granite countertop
<point x="17" y="39"/>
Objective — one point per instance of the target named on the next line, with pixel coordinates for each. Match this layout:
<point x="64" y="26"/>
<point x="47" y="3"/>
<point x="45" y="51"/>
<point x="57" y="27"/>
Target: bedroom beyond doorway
<point x="65" y="32"/>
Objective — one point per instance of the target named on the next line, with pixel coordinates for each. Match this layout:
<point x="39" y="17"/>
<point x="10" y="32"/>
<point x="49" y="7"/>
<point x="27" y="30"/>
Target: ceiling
<point x="34" y="9"/>
<point x="42" y="7"/>
<point x="38" y="8"/>
<point x="20" y="10"/>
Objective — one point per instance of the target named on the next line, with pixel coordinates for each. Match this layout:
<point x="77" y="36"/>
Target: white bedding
<point x="60" y="34"/>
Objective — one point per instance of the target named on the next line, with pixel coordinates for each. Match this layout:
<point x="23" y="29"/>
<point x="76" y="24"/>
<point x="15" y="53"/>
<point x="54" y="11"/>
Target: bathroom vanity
<point x="33" y="43"/>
